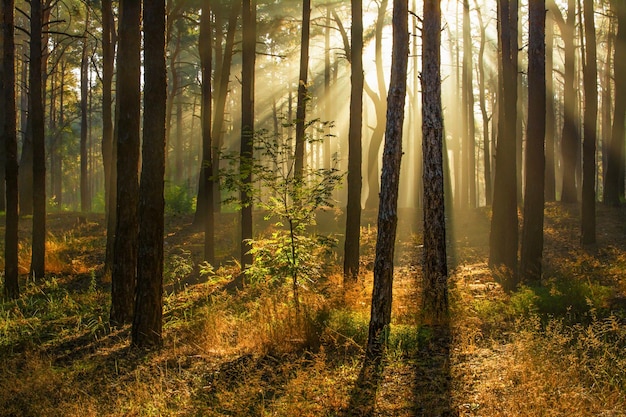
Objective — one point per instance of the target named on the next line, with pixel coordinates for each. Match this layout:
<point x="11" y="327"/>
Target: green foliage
<point x="405" y="339"/>
<point x="291" y="200"/>
<point x="48" y="311"/>
<point x="346" y="328"/>
<point x="177" y="268"/>
<point x="568" y="298"/>
<point x="179" y="200"/>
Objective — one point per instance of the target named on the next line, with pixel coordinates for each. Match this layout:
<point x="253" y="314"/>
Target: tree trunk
<point x="148" y="317"/>
<point x="355" y="181"/>
<point x="435" y="291"/>
<point x="503" y="239"/>
<point x="25" y="178"/>
<point x="607" y="96"/>
<point x="390" y="180"/>
<point x="302" y="89"/>
<point x="380" y="100"/>
<point x="108" y="160"/>
<point x="482" y="87"/>
<point x="247" y="126"/>
<point x="9" y="135"/>
<point x="206" y="172"/>
<point x="469" y="144"/>
<point x="220" y="101"/>
<point x="615" y="160"/>
<point x="327" y="96"/>
<point x="85" y="192"/>
<point x="550" y="190"/>
<point x="129" y="106"/>
<point x="532" y="232"/>
<point x="36" y="114"/>
<point x="570" y="141"/>
<point x="588" y="211"/>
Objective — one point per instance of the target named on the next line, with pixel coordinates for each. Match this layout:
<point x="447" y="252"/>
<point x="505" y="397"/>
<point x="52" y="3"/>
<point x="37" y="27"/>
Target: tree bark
<point x="570" y="140"/>
<point x="206" y="172"/>
<point x="550" y="190"/>
<point x="615" y="160"/>
<point x="390" y="180"/>
<point x="85" y="192"/>
<point x="532" y="232"/>
<point x="108" y="159"/>
<point x="469" y="142"/>
<point x="148" y="315"/>
<point x="36" y="114"/>
<point x="588" y="210"/>
<point x="129" y="105"/>
<point x="435" y="291"/>
<point x="503" y="240"/>
<point x="9" y="137"/>
<point x="302" y="89"/>
<point x="482" y="86"/>
<point x="380" y="100"/>
<point x="247" y="127"/>
<point x="220" y="100"/>
<point x="355" y="181"/>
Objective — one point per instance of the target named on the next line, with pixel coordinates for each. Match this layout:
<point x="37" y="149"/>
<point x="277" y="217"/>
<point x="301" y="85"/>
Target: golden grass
<point x="245" y="353"/>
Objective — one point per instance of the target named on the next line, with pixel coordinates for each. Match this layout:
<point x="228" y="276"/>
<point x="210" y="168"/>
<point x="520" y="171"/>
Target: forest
<point x="313" y="208"/>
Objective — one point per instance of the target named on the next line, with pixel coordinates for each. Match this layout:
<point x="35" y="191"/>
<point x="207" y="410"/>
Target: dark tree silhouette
<point x="128" y="118"/>
<point x="532" y="232"/>
<point x="355" y="151"/>
<point x="615" y="161"/>
<point x="550" y="190"/>
<point x="390" y="180"/>
<point x="302" y="89"/>
<point x="468" y="189"/>
<point x="220" y="97"/>
<point x="435" y="291"/>
<point x="570" y="140"/>
<point x="503" y="240"/>
<point x="204" y="210"/>
<point x="247" y="125"/>
<point x="9" y="139"/>
<point x="85" y="191"/>
<point x="108" y="147"/>
<point x="148" y="316"/>
<point x="36" y="116"/>
<point x="588" y="210"/>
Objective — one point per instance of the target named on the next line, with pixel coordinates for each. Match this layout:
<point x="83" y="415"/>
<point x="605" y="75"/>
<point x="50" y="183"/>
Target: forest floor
<point x="558" y="349"/>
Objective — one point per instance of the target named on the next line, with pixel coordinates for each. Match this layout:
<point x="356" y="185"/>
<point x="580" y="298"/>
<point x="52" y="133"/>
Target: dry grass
<point x="559" y="350"/>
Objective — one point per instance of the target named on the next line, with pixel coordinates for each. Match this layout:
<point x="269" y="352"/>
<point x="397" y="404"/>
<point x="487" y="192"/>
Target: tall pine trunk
<point x="435" y="291"/>
<point x="615" y="161"/>
<point x="206" y="171"/>
<point x="355" y="181"/>
<point x="302" y="89"/>
<point x="9" y="137"/>
<point x="108" y="158"/>
<point x="220" y="100"/>
<point x="36" y="115"/>
<point x="532" y="232"/>
<point x="588" y="211"/>
<point x="85" y="192"/>
<point x="503" y="240"/>
<point x="550" y="187"/>
<point x="482" y="101"/>
<point x="148" y="316"/>
<point x="128" y="119"/>
<point x="390" y="180"/>
<point x="570" y="140"/>
<point x="247" y="126"/>
<point x="469" y="142"/>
